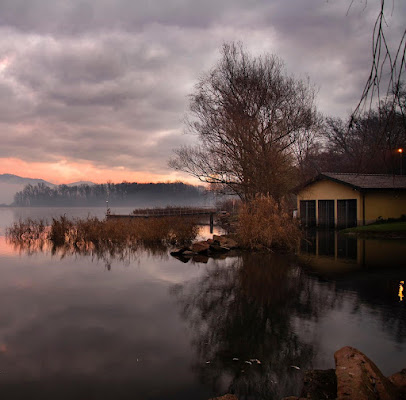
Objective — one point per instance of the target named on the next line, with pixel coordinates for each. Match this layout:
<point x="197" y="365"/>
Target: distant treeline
<point x="120" y="194"/>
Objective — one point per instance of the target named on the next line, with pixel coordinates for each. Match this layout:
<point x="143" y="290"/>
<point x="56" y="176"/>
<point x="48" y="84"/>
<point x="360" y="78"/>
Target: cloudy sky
<point x="97" y="89"/>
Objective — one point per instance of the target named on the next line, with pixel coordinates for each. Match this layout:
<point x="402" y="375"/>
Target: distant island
<point x="113" y="194"/>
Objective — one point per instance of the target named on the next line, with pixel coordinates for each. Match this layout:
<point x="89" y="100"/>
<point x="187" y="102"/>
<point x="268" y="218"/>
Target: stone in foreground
<point x="399" y="380"/>
<point x="359" y="378"/>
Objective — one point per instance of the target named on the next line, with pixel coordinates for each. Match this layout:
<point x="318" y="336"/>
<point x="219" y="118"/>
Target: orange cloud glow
<point x="66" y="172"/>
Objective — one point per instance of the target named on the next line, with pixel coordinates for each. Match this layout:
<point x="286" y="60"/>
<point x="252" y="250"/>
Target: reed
<point x="61" y="230"/>
<point x="28" y="229"/>
<point x="132" y="232"/>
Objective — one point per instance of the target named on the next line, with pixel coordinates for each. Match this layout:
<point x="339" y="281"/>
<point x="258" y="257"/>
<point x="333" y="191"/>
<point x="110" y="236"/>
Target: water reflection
<point x="328" y="250"/>
<point x="101" y="252"/>
<point x="69" y="330"/>
<point x="270" y="308"/>
<point x="149" y="332"/>
<point x="401" y="290"/>
<point x="370" y="269"/>
<point x="247" y="311"/>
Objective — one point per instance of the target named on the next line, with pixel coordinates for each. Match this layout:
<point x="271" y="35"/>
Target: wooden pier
<point x="167" y="212"/>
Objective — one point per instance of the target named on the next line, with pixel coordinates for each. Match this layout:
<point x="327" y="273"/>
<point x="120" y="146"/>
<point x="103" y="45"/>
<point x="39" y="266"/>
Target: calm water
<point x="140" y="324"/>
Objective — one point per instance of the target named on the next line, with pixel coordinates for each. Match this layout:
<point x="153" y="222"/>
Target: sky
<point x="98" y="89"/>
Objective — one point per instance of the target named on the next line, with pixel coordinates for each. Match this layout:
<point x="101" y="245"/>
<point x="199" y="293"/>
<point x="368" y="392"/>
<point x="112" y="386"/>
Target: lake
<point x="140" y="324"/>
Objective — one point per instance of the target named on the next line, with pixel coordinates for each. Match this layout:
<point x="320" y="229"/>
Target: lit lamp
<point x="400" y="151"/>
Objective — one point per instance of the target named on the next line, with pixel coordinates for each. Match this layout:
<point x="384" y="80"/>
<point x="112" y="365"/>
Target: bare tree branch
<point x="247" y="114"/>
<point x="387" y="69"/>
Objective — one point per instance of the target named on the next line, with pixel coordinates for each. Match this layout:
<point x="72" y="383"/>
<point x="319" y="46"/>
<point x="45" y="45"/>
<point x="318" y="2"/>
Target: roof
<point x="365" y="181"/>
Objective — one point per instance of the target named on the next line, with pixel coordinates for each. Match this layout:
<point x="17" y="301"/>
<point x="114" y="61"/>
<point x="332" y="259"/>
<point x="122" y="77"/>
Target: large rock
<point x="216" y="248"/>
<point x="200" y="247"/>
<point x="399" y="380"/>
<point x="225" y="241"/>
<point x="359" y="378"/>
<point x="179" y="251"/>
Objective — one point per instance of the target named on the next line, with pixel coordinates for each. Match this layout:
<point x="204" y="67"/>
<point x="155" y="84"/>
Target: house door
<point x="326" y="213"/>
<point x="308" y="213"/>
<point x="346" y="213"/>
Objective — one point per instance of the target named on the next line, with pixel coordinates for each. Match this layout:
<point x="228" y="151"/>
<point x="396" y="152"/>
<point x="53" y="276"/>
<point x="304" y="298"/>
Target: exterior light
<point x="400" y="150"/>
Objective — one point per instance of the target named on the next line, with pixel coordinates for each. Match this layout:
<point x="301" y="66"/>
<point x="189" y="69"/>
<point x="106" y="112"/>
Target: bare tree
<point x="369" y="145"/>
<point x="248" y="114"/>
<point x="388" y="68"/>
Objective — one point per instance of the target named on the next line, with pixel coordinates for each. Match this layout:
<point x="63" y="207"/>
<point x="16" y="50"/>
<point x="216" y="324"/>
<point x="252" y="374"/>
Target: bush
<point x="265" y="224"/>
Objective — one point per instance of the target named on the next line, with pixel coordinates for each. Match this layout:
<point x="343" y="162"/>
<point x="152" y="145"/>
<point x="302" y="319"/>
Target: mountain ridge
<point x="10" y="184"/>
<point x="16" y="179"/>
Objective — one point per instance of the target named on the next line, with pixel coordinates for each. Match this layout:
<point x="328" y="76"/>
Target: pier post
<point x="211" y="222"/>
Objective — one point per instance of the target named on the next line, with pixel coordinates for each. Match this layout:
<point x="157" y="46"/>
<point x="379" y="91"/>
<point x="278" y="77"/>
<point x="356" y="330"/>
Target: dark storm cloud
<point x="81" y="17"/>
<point x="107" y="81"/>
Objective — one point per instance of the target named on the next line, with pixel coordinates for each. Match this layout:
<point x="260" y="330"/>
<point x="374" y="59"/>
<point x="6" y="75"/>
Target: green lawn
<point x="381" y="227"/>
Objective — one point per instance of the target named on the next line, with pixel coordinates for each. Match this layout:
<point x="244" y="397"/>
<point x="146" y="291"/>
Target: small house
<point x="345" y="200"/>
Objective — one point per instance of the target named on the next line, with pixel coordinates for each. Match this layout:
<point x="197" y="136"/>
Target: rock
<point x="215" y="248"/>
<point x="225" y="241"/>
<point x="177" y="252"/>
<point x="225" y="397"/>
<point x="319" y="384"/>
<point x="359" y="378"/>
<point x="399" y="380"/>
<point x="188" y="253"/>
<point x="200" y="247"/>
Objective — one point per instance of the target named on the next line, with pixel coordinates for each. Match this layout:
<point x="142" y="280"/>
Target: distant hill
<point x="15" y="179"/>
<point x="11" y="184"/>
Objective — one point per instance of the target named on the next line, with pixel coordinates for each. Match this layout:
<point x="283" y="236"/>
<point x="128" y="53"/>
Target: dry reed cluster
<point x="265" y="224"/>
<point x="159" y="231"/>
<point x="28" y="229"/>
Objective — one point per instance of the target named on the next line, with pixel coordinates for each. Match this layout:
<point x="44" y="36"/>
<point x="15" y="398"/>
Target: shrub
<point x="264" y="223"/>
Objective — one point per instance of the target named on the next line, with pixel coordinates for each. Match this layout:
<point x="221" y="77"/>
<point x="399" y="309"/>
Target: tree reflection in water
<point x="249" y="310"/>
<point x="265" y="307"/>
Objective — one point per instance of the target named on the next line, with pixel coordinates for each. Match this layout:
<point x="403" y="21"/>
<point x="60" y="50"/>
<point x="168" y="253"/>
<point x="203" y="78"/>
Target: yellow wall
<point x="329" y="190"/>
<point x="389" y="204"/>
<point x="385" y="204"/>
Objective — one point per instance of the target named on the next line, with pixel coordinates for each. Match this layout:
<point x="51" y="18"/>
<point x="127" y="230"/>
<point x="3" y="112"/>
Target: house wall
<point x="385" y="204"/>
<point x="329" y="190"/>
<point x="389" y="204"/>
